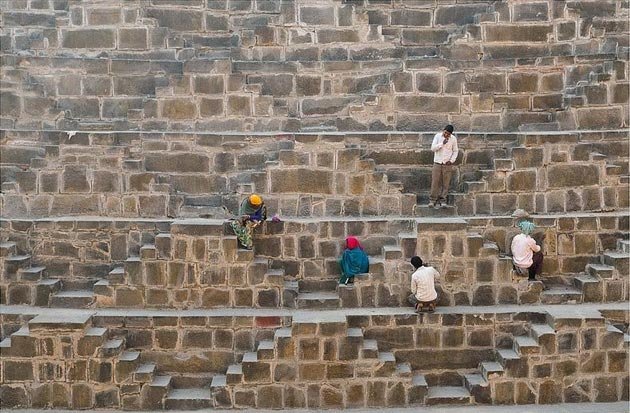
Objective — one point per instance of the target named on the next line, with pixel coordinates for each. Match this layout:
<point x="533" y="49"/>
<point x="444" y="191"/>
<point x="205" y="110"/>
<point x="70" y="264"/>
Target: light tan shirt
<point x="423" y="283"/>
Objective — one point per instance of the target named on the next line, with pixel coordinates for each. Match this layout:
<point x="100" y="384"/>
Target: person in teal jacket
<point x="353" y="261"/>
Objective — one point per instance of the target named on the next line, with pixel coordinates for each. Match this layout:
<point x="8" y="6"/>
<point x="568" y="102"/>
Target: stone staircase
<point x="314" y="348"/>
<point x="600" y="282"/>
<point x="98" y="355"/>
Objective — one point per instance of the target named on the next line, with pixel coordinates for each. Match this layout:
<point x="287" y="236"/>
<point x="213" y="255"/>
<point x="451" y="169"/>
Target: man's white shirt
<point x="443" y="153"/>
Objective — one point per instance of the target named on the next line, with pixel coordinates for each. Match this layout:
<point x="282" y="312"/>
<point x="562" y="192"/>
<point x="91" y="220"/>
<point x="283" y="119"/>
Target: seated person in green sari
<point x="252" y="213"/>
<point x="353" y="261"/>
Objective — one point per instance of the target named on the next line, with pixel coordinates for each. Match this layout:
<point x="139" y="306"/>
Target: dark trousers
<point x="440" y="181"/>
<point x="536" y="268"/>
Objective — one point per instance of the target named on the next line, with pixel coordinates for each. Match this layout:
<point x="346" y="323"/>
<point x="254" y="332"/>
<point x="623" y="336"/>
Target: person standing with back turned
<point x="445" y="150"/>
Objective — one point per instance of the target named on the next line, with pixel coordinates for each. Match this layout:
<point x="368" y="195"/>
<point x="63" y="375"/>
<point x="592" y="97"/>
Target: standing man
<point x="445" y="152"/>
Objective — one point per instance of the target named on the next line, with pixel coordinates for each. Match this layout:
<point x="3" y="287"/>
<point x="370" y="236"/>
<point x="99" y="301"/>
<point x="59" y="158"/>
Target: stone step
<point x="377" y="265"/>
<point x="126" y="365"/>
<point x="93" y="339"/>
<point x="506" y="356"/>
<point x="244" y="255"/>
<point x="156" y="392"/>
<point x="491" y="369"/>
<point x="188" y="399"/>
<point x="72" y="299"/>
<point x="145" y="373"/>
<point x="489" y="249"/>
<point x="266" y="350"/>
<point x="525" y="345"/>
<point x="478" y="387"/>
<point x="403" y="370"/>
<point x="7" y="248"/>
<point x="311" y="286"/>
<point x="112" y="347"/>
<point x="613" y="169"/>
<point x="116" y="276"/>
<point x="218" y="381"/>
<point x="32" y="273"/>
<point x="274" y="277"/>
<point x="591" y="288"/>
<point x="623" y="245"/>
<point x="369" y="350"/>
<point x="15" y="262"/>
<point x="318" y="300"/>
<point x="561" y="295"/>
<point x="392" y="252"/>
<point x="418" y="389"/>
<point x="148" y="252"/>
<point x="448" y="395"/>
<point x="619" y="260"/>
<point x="186" y="380"/>
<point x="5" y="347"/>
<point x="600" y="270"/>
<point x="537" y="331"/>
<point x="440" y="211"/>
<point x="354" y="337"/>
<point x="51" y="320"/>
<point x="234" y="374"/>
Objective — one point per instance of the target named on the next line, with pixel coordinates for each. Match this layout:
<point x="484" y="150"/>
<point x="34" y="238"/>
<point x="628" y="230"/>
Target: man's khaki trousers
<point x="440" y="181"/>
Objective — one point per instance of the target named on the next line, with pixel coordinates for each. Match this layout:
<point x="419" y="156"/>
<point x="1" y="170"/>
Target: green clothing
<point x="353" y="261"/>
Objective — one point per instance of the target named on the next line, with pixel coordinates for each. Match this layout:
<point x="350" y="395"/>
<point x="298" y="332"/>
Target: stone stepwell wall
<point x="327" y="65"/>
<point x="136" y="174"/>
<point x="196" y="263"/>
<point x="137" y="362"/>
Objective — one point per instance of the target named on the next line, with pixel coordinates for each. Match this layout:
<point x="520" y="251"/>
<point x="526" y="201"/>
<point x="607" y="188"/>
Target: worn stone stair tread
<point x="489" y="368"/>
<point x="526" y="344"/>
<point x="146" y="368"/>
<point x="53" y="320"/>
<point x="266" y="345"/>
<point x="447" y="392"/>
<point x="474" y="379"/>
<point x="319" y="295"/>
<point x="354" y="332"/>
<point x="234" y="369"/>
<point x="616" y="254"/>
<point x="219" y="380"/>
<point x="586" y="278"/>
<point x="250" y="357"/>
<point x="49" y="281"/>
<point x="96" y="331"/>
<point x="129" y="355"/>
<point x="33" y="270"/>
<point x="113" y="344"/>
<point x="370" y="344"/>
<point x="75" y="294"/>
<point x="161" y="381"/>
<point x="17" y="258"/>
<point x="386" y="356"/>
<point x="117" y="270"/>
<point x="403" y="369"/>
<point x="419" y="380"/>
<point x="599" y="268"/>
<point x="282" y="332"/>
<point x="508" y="354"/>
<point x="6" y="343"/>
<point x="189" y="394"/>
<point x="542" y="329"/>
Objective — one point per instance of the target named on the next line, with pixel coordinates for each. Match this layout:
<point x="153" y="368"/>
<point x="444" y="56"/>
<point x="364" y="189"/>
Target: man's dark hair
<point x="416" y="262"/>
<point x="449" y="128"/>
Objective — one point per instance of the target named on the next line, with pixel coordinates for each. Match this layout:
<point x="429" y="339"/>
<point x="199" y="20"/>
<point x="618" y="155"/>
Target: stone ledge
<point x="588" y="309"/>
<point x="53" y="321"/>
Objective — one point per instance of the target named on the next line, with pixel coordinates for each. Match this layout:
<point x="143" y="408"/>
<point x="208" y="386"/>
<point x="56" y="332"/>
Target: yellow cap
<point x="255" y="200"/>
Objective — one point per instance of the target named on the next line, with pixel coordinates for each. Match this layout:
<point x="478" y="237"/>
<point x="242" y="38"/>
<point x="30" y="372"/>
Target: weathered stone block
<point x="89" y="39"/>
